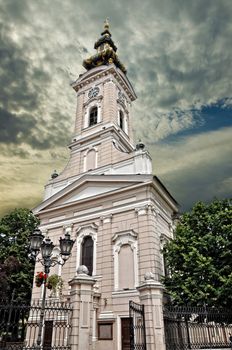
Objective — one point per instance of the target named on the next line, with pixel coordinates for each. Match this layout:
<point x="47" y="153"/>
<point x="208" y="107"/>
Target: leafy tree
<point x="199" y="258"/>
<point x="16" y="270"/>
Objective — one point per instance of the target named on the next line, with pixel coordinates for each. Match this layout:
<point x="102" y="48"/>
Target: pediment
<point x="90" y="191"/>
<point x="87" y="187"/>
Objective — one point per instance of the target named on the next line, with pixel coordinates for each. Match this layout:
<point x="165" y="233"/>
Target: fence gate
<point x="20" y="323"/>
<point x="137" y="327"/>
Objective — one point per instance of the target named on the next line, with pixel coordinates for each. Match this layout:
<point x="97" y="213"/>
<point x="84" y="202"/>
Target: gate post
<point x="82" y="303"/>
<point x="151" y="295"/>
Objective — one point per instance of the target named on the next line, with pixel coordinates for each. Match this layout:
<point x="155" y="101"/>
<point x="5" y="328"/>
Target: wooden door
<point x="125" y="332"/>
<point x="47" y="341"/>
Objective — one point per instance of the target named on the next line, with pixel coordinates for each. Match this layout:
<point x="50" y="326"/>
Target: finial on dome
<point x="106" y="51"/>
<point x="106" y="24"/>
<point x="140" y="145"/>
<point x="54" y="174"/>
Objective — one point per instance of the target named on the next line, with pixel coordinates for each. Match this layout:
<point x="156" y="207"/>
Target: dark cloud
<point x="14" y="129"/>
<point x="23" y="100"/>
<point x="178" y="56"/>
<point x="15" y="92"/>
<point x="192" y="185"/>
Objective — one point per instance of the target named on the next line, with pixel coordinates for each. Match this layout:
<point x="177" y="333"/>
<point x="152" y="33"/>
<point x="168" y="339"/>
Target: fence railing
<point x="19" y="325"/>
<point x="197" y="328"/>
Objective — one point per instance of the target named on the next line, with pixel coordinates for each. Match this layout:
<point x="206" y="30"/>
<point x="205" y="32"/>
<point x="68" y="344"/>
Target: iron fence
<point x="197" y="328"/>
<point x="19" y="325"/>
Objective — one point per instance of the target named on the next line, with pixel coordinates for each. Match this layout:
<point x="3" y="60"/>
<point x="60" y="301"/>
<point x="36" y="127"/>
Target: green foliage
<point x="16" y="270"/>
<point x="54" y="281"/>
<point x="199" y="258"/>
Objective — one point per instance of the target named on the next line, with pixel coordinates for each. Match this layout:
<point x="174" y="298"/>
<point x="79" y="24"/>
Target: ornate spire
<point x="106" y="51"/>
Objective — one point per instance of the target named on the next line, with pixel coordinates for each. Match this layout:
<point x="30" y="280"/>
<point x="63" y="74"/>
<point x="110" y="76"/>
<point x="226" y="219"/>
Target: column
<point x="151" y="295"/>
<point x="82" y="303"/>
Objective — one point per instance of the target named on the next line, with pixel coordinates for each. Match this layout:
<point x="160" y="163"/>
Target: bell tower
<point x="102" y="142"/>
<point x="104" y="99"/>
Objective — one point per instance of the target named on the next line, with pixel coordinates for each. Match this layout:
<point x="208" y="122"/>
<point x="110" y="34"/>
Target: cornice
<point x="123" y="105"/>
<point x="100" y="134"/>
<point x="90" y="100"/>
<point x="139" y="180"/>
<point x="96" y="74"/>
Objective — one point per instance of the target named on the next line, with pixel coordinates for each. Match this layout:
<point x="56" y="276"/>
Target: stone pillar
<point x="151" y="295"/>
<point x="82" y="303"/>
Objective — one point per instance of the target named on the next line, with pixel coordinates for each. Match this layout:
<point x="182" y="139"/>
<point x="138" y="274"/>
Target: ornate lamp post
<point x="45" y="246"/>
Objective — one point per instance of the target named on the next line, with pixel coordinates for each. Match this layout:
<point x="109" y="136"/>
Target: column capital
<point x="82" y="279"/>
<point x="150" y="283"/>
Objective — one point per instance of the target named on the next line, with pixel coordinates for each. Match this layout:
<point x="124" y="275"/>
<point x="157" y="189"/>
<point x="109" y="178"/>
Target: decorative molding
<point x="95" y="102"/>
<point x="103" y="73"/>
<point x="128" y="237"/>
<point x="86" y="228"/>
<point x="106" y="219"/>
<point x="88" y="211"/>
<point x="125" y="235"/>
<point x="82" y="232"/>
<point x="124" y="201"/>
<point x="148" y="208"/>
<point x="91" y="100"/>
<point x="57" y="218"/>
<point x="119" y="148"/>
<point x="91" y="148"/>
<point x="96" y="289"/>
<point x="106" y="315"/>
<point x="149" y="276"/>
<point x="141" y="210"/>
<point x="68" y="228"/>
<point x="121" y="103"/>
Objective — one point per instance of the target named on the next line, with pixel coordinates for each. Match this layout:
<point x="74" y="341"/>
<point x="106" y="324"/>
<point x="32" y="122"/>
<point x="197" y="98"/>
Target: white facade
<point x="108" y="195"/>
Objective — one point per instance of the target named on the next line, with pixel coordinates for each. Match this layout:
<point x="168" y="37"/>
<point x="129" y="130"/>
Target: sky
<point x="178" y="55"/>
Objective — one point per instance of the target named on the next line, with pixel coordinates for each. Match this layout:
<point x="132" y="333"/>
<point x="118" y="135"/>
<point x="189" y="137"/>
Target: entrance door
<point x="125" y="331"/>
<point x="47" y="342"/>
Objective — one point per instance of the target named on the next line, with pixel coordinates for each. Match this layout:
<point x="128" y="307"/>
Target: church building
<point x="116" y="210"/>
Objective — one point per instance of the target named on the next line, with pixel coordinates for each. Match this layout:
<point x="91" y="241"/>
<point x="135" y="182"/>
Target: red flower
<point x="39" y="278"/>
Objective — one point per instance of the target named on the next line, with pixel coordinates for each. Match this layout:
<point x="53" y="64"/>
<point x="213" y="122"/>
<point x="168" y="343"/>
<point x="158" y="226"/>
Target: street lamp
<point x="45" y="246"/>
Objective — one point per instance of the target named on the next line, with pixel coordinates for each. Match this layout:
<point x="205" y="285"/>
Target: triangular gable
<point x="90" y="191"/>
<point x="86" y="187"/>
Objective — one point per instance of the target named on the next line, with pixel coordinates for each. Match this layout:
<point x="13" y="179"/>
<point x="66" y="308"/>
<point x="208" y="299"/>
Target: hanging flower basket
<point x="55" y="283"/>
<point x="40" y="278"/>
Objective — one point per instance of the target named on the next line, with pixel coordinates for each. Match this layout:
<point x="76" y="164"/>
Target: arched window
<point x="87" y="254"/>
<point x="121" y="120"/>
<point x="93" y="116"/>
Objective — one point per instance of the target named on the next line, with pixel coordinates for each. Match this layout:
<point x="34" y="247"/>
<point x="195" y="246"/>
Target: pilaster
<point x="82" y="304"/>
<point x="151" y="295"/>
<point x="79" y="114"/>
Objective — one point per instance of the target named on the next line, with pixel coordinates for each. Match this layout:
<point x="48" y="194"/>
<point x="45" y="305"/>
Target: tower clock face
<point x="93" y="92"/>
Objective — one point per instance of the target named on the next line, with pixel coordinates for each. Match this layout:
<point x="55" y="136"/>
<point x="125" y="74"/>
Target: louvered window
<point x="93" y="116"/>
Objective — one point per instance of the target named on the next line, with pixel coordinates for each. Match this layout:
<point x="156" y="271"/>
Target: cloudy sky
<point x="179" y="59"/>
